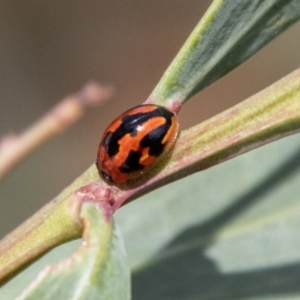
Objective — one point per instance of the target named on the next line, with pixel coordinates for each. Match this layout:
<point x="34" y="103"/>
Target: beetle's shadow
<point x="186" y="273"/>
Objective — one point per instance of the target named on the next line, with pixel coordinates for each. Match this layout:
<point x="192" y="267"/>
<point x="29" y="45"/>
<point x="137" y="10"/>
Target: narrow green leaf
<point x="228" y="34"/>
<point x="97" y="270"/>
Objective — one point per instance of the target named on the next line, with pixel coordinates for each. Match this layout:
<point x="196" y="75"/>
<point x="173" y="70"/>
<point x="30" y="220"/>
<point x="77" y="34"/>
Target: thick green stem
<point x="269" y="115"/>
<point x="54" y="224"/>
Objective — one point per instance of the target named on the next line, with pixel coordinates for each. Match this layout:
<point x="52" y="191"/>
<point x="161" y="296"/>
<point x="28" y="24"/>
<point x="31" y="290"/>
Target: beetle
<point x="134" y="142"/>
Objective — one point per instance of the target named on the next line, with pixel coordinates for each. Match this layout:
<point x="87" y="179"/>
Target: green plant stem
<point x="36" y="235"/>
<point x="267" y="116"/>
<point x="52" y="225"/>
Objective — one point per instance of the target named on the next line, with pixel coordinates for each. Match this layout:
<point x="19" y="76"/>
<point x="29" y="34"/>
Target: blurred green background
<point x="49" y="49"/>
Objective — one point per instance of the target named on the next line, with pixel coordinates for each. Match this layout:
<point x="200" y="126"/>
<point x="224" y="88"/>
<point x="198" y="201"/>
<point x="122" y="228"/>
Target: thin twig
<point x="15" y="147"/>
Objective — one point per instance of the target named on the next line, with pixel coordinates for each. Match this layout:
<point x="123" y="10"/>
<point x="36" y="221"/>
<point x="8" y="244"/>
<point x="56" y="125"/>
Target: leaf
<point x="97" y="270"/>
<point x="231" y="232"/>
<point x="228" y="34"/>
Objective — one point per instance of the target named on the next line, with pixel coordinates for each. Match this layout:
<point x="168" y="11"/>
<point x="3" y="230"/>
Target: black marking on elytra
<point x="130" y="124"/>
<point x="106" y="143"/>
<point x="154" y="138"/>
<point x="131" y="163"/>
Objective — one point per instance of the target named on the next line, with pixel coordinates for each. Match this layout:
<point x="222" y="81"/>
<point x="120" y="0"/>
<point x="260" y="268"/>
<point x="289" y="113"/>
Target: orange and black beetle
<point x="132" y="143"/>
